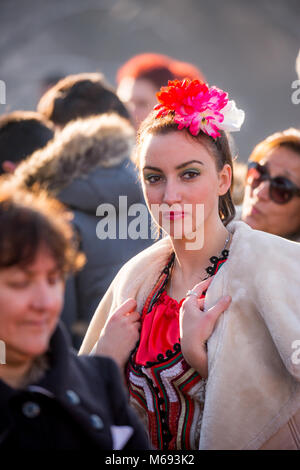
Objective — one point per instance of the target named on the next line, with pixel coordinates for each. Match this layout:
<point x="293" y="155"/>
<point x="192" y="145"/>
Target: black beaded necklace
<point x="167" y="271"/>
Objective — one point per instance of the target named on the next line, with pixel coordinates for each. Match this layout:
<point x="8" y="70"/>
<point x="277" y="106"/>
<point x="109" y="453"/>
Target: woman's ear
<point x="8" y="166"/>
<point x="225" y="176"/>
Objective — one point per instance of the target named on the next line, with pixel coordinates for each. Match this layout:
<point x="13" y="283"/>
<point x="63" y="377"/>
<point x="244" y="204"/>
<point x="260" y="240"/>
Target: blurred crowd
<point x="58" y="164"/>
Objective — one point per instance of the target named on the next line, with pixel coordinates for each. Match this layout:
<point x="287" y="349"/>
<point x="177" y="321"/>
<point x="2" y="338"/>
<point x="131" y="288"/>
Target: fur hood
<point x="80" y="148"/>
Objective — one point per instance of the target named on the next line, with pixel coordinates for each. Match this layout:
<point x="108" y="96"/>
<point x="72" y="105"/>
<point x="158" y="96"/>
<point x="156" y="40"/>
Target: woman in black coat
<point x="49" y="397"/>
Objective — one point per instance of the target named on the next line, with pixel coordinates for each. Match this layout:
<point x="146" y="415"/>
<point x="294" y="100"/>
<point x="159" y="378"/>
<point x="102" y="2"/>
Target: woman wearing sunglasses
<point x="272" y="193"/>
<point x="197" y="377"/>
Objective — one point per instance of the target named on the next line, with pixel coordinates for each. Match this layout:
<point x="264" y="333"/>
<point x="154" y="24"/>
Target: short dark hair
<point x="21" y="133"/>
<point x="31" y="220"/>
<point x="79" y="96"/>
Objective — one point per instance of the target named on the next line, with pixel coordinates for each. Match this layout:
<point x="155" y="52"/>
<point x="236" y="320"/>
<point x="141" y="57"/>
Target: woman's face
<point x="31" y="299"/>
<point x="177" y="171"/>
<point x="259" y="211"/>
<point x="139" y="96"/>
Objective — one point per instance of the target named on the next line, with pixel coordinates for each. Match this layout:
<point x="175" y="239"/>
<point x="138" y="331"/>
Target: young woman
<point x="49" y="397"/>
<point x="198" y="382"/>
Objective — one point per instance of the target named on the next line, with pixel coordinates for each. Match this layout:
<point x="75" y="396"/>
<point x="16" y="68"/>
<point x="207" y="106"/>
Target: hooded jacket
<point x="88" y="165"/>
<point x="253" y="388"/>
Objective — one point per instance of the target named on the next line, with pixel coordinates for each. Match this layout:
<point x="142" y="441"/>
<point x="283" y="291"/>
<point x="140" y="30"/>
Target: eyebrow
<point x="31" y="273"/>
<point x="176" y="168"/>
<point x="284" y="172"/>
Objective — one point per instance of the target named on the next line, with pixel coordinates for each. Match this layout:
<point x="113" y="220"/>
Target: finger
<point x="126" y="307"/>
<point x="192" y="302"/>
<point x="134" y="317"/>
<point x="220" y="307"/>
<point x="201" y="303"/>
<point x="198" y="289"/>
<point x="202" y="286"/>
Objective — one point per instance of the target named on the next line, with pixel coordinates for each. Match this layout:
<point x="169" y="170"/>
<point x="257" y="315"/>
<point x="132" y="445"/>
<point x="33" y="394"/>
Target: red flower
<point x="194" y="104"/>
<point x="178" y="95"/>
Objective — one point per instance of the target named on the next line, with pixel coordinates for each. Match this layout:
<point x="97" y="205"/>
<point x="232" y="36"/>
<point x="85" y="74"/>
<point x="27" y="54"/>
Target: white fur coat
<point x="253" y="386"/>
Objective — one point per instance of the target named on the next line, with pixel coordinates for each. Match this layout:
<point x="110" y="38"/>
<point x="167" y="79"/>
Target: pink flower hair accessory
<point x="199" y="107"/>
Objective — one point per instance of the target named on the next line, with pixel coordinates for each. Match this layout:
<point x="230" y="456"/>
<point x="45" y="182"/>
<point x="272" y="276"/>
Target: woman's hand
<point x="120" y="333"/>
<point x="196" y="326"/>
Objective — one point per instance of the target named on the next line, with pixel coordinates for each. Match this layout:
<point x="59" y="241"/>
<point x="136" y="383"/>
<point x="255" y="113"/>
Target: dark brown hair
<point x="21" y="133"/>
<point x="30" y="221"/>
<point x="219" y="148"/>
<point x="79" y="96"/>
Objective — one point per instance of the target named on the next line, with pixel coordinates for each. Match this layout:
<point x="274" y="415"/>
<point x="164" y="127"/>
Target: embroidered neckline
<point x="160" y="289"/>
<point x="160" y="358"/>
<point x="211" y="270"/>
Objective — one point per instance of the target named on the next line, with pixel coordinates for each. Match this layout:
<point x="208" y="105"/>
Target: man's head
<point x="21" y="133"/>
<point x="79" y="96"/>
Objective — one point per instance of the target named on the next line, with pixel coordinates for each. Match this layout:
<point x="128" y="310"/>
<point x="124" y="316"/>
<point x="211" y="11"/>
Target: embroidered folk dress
<point x="167" y="393"/>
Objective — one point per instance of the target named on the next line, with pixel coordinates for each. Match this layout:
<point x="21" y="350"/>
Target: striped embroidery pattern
<point x="168" y="394"/>
<point x="172" y="394"/>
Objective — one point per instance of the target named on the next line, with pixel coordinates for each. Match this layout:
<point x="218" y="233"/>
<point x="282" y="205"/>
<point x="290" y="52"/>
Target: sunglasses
<point x="281" y="189"/>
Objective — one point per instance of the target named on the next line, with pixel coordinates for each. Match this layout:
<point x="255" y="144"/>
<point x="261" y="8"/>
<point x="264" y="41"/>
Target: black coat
<point x="72" y="407"/>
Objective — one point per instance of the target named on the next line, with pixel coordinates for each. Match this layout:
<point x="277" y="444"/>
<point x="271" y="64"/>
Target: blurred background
<point x="247" y="48"/>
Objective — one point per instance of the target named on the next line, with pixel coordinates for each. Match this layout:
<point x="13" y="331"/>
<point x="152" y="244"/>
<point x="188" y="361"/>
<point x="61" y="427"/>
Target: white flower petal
<point x="233" y="118"/>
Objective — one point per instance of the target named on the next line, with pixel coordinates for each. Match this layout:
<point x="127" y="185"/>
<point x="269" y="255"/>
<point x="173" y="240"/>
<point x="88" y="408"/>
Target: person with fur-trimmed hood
<point x="89" y="164"/>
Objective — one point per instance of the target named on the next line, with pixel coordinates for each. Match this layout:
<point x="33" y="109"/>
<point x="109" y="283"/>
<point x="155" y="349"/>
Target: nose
<point x="172" y="193"/>
<point x="43" y="297"/>
<point x="262" y="190"/>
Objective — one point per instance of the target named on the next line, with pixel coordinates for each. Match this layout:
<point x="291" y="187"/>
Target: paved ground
<point x="247" y="48"/>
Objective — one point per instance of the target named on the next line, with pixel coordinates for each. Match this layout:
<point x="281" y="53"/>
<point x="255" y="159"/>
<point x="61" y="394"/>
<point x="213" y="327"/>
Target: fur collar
<point x="81" y="147"/>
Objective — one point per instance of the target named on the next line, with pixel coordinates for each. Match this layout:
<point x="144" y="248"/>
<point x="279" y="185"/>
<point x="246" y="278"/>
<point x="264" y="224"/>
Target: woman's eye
<point x="152" y="179"/>
<point x="19" y="284"/>
<point x="52" y="280"/>
<point x="190" y="174"/>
